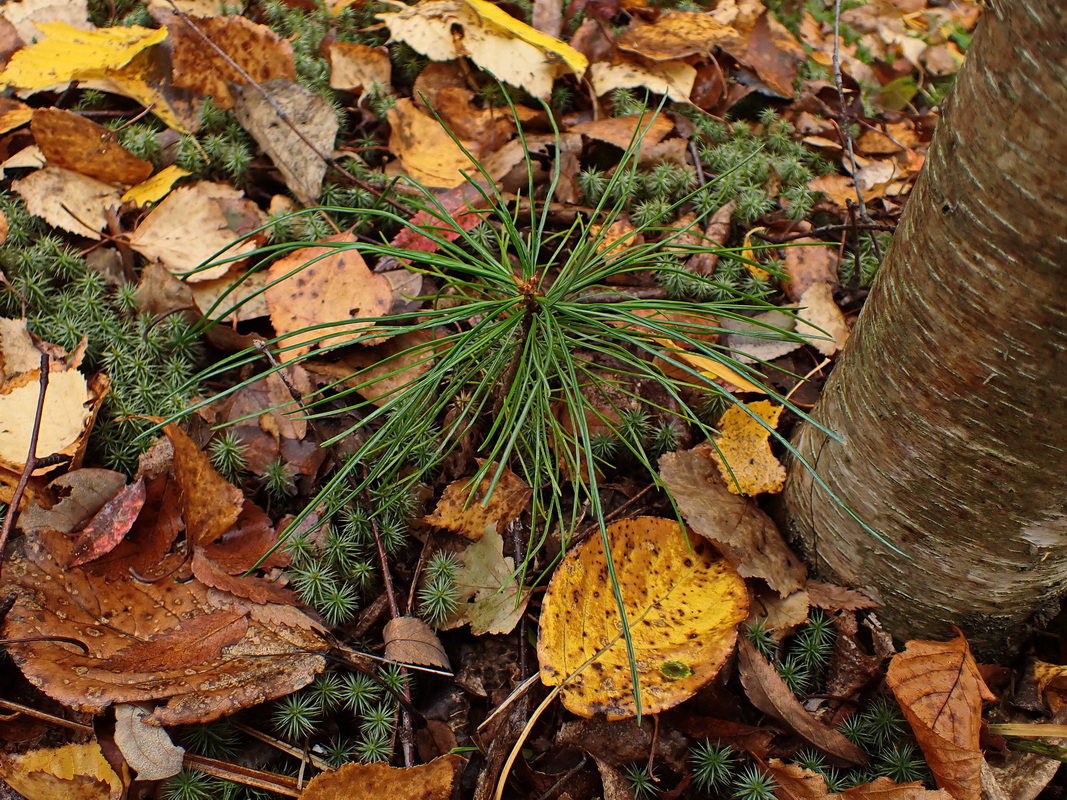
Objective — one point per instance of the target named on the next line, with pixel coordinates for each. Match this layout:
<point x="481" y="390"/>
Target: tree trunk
<point x="949" y="398"/>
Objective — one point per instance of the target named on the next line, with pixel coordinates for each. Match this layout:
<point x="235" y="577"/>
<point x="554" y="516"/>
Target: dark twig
<point x="824" y="229"/>
<point x="844" y="112"/>
<point x="31" y="462"/>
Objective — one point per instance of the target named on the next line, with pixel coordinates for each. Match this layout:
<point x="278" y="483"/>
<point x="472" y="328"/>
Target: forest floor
<point x="365" y="364"/>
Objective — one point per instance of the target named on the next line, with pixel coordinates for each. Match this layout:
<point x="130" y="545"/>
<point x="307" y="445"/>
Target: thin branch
<point x="844" y="112"/>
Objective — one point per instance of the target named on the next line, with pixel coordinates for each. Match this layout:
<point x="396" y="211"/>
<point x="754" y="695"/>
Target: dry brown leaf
<point x="885" y="789"/>
<point x="18" y="353"/>
<point x="773" y="52"/>
<point x="68" y="200"/>
<point x="490" y="597"/>
<point x="251" y="588"/>
<point x="820" y="320"/>
<point x="359" y="66"/>
<point x="769" y="693"/>
<point x="432" y="781"/>
<point x="796" y="783"/>
<point x="13" y="114"/>
<point x="672" y="78"/>
<point x="836" y="598"/>
<point x="72" y="772"/>
<point x="489" y="128"/>
<point x="717" y="232"/>
<point x="465" y="510"/>
<point x="779" y="615"/>
<point x="109" y="525"/>
<point x="425" y="150"/>
<point x="73" y="500"/>
<point x="941" y="691"/>
<point x="409" y="640"/>
<point x="742" y="450"/>
<point x="235" y="297"/>
<point x="210" y="503"/>
<point x="148" y="749"/>
<point x="73" y="142"/>
<point x="807" y="262"/>
<point x="196" y="224"/>
<point x="298" y="147"/>
<point x="757" y="339"/>
<point x="200" y="650"/>
<point x="326" y="285"/>
<point x="678" y="34"/>
<point x="260" y="53"/>
<point x="746" y="536"/>
<point x="625" y="131"/>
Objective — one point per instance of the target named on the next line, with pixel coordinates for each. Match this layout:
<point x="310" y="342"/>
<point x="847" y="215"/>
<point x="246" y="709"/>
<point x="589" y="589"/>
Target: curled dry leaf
<point x="470" y="511"/>
<point x="210" y="503"/>
<point x="743" y="451"/>
<point x="76" y="771"/>
<point x="941" y="691"/>
<point x="746" y="536"/>
<point x="73" y="142"/>
<point x="148" y="749"/>
<point x="431" y="781"/>
<point x="109" y="525"/>
<point x="201" y="651"/>
<point x="409" y="640"/>
<point x="490" y="598"/>
<point x="796" y="783"/>
<point x="359" y="66"/>
<point x="68" y="200"/>
<point x="683" y="604"/>
<point x="317" y="286"/>
<point x="769" y="693"/>
<point x="672" y="78"/>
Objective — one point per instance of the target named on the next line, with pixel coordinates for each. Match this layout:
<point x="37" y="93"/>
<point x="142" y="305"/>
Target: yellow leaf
<point x="76" y="771"/>
<point x="744" y="452"/>
<point x="65" y="54"/>
<point x="155" y="188"/>
<point x="683" y="604"/>
<point x="749" y="254"/>
<point x="709" y="367"/>
<point x="542" y="41"/>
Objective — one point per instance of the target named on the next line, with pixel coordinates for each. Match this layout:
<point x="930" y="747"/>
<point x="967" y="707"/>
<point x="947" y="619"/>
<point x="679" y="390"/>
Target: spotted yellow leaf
<point x="155" y="188"/>
<point x="743" y="451"/>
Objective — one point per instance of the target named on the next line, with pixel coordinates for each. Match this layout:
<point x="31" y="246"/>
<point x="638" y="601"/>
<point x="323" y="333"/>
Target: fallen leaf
<point x="18" y="353"/>
<point x="623" y="131"/>
<point x="359" y="66"/>
<point x="13" y="114"/>
<point x="470" y="511"/>
<point x="68" y="200"/>
<point x="25" y="14"/>
<point x="510" y="50"/>
<point x="886" y="789"/>
<point x="197" y="225"/>
<point x="676" y="35"/>
<point x="746" y="536"/>
<point x="109" y="525"/>
<point x="778" y="615"/>
<point x="820" y="320"/>
<point x="743" y="452"/>
<point x="490" y="597"/>
<point x="796" y="783"/>
<point x="317" y="286"/>
<point x="73" y="142"/>
<point x="174" y="640"/>
<point x="73" y="772"/>
<point x="1051" y="680"/>
<point x="807" y="261"/>
<point x="210" y="503"/>
<point x="64" y="54"/>
<point x="73" y="500"/>
<point x="769" y="693"/>
<point x="683" y="605"/>
<point x="761" y="338"/>
<point x="425" y="149"/>
<point x="409" y="640"/>
<point x="672" y="78"/>
<point x="235" y="297"/>
<point x="940" y="692"/>
<point x="452" y="212"/>
<point x="148" y="749"/>
<point x="837" y="598"/>
<point x="773" y="53"/>
<point x="155" y="188"/>
<point x="431" y="781"/>
<point x="261" y="54"/>
<point x="300" y="141"/>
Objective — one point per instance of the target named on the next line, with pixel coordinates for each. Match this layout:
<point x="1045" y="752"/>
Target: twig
<point x="824" y="229"/>
<point x="844" y="111"/>
<point x="31" y="462"/>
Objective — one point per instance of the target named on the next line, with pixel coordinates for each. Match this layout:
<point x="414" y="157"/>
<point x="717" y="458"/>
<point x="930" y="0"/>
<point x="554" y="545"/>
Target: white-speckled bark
<point x="950" y="396"/>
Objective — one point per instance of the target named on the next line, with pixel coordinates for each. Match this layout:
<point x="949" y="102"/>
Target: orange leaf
<point x="110" y="524"/>
<point x="432" y="781"/>
<point x="73" y="142"/>
<point x="211" y="504"/>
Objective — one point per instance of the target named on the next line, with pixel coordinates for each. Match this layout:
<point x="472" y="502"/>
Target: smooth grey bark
<point x="950" y="396"/>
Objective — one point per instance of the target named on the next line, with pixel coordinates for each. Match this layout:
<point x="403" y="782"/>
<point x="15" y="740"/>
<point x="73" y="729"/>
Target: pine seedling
<point x="642" y="779"/>
<point x="379" y="719"/>
<point x="227" y="454"/>
<point x="360" y="692"/>
<point x="374" y="748"/>
<point x="713" y="766"/>
<point x="754" y="783"/>
<point x="328" y="691"/>
<point x="296" y="717"/>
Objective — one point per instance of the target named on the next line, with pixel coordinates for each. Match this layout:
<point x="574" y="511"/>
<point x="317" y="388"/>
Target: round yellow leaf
<point x="683" y="603"/>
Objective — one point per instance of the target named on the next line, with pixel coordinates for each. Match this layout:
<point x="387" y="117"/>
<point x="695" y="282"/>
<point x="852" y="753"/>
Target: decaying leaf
<point x="759" y="338"/>
<point x="359" y="66"/>
<point x="837" y="598"/>
<point x="25" y="14"/>
<point x="490" y="598"/>
<point x="678" y="34"/>
<point x="467" y="510"/>
<point x="210" y="503"/>
<point x="769" y="693"/>
<point x="625" y="131"/>
<point x="1051" y="680"/>
<point x="202" y="651"/>
<point x="672" y="78"/>
<point x="940" y="692"/>
<point x="148" y="749"/>
<point x="432" y="781"/>
<point x="73" y="772"/>
<point x="807" y="262"/>
<point x="683" y="604"/>
<point x="299" y="143"/>
<point x="409" y="640"/>
<point x="743" y="451"/>
<point x="73" y="142"/>
<point x="796" y="783"/>
<point x="325" y="285"/>
<point x="425" y="149"/>
<point x="68" y="200"/>
<point x="260" y="53"/>
<point x="195" y="225"/>
<point x="821" y="321"/>
<point x="109" y="525"/>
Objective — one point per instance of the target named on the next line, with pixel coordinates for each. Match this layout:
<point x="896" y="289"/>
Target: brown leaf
<point x="359" y="66"/>
<point x="261" y="53"/>
<point x="210" y="503"/>
<point x="77" y="496"/>
<point x="68" y="200"/>
<point x="464" y="509"/>
<point x="623" y="131"/>
<point x="769" y="693"/>
<point x="678" y="34"/>
<point x="836" y="598"/>
<point x="716" y="232"/>
<point x="72" y="772"/>
<point x="820" y="321"/>
<point x="241" y="547"/>
<point x="409" y="640"/>
<point x="773" y="53"/>
<point x="746" y="536"/>
<point x="73" y="142"/>
<point x="110" y="524"/>
<point x="298" y="143"/>
<point x="807" y="262"/>
<point x="432" y="781"/>
<point x="200" y="650"/>
<point x="490" y="598"/>
<point x="148" y="749"/>
<point x="941" y="691"/>
<point x="252" y="588"/>
<point x="326" y="285"/>
<point x="885" y="789"/>
<point x="795" y="782"/>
